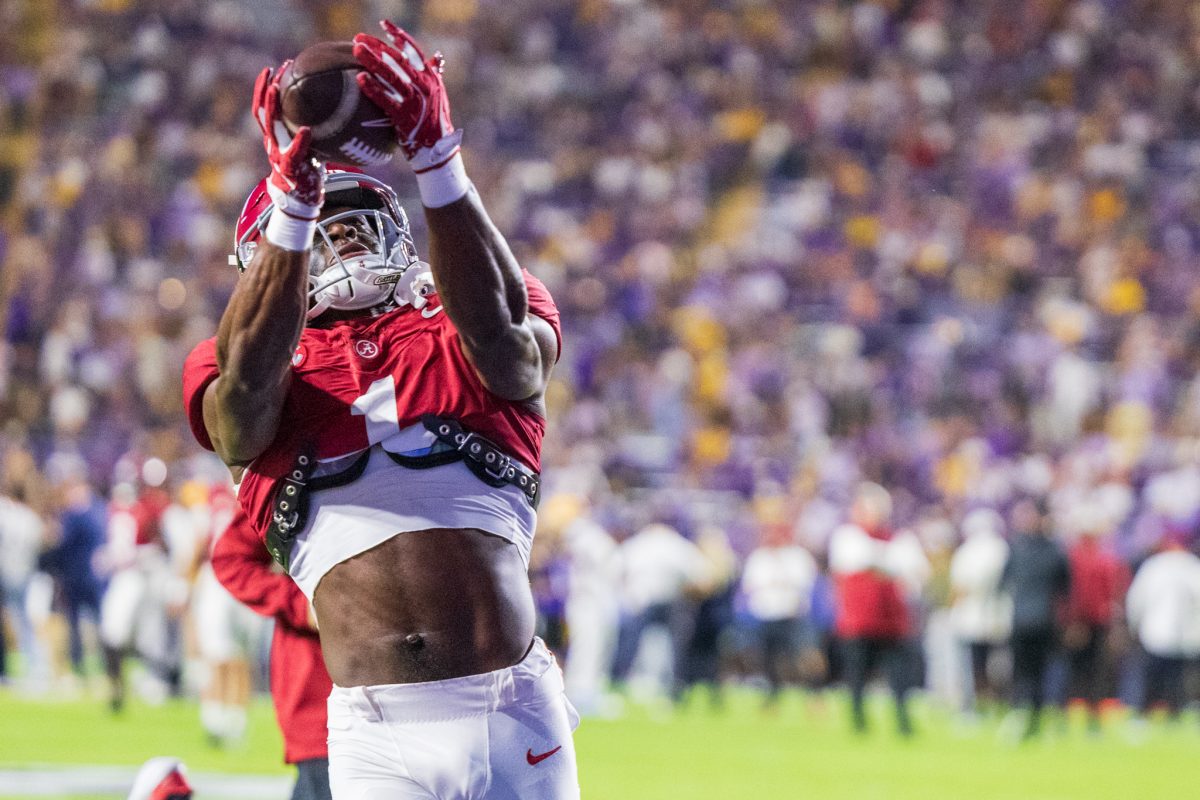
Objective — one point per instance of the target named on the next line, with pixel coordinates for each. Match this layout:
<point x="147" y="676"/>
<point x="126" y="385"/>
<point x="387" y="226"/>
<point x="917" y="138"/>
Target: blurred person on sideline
<point x="777" y="584"/>
<point x="1037" y="576"/>
<point x="227" y="632"/>
<point x="1095" y="604"/>
<point x="300" y="684"/>
<point x="980" y="614"/>
<point x="83" y="521"/>
<point x="134" y="608"/>
<point x="345" y="367"/>
<point x="872" y="570"/>
<point x="660" y="570"/>
<point x="4" y="677"/>
<point x="700" y="662"/>
<point x="1163" y="611"/>
<point x="593" y="606"/>
<point x="22" y="538"/>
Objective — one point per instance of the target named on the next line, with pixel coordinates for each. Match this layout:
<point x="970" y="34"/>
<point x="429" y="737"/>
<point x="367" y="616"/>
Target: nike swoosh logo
<point x="532" y="759"/>
<point x="376" y="123"/>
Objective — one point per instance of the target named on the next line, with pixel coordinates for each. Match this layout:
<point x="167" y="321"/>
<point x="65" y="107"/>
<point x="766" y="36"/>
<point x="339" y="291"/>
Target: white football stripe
<point x="362" y="153"/>
<point x="414" y="58"/>
<point x="395" y="67"/>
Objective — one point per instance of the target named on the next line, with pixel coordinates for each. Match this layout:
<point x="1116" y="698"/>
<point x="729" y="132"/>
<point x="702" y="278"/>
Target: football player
<point x="384" y="417"/>
<point x="299" y="682"/>
<point x="228" y="633"/>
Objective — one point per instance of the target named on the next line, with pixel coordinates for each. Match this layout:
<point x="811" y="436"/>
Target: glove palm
<point x="408" y="87"/>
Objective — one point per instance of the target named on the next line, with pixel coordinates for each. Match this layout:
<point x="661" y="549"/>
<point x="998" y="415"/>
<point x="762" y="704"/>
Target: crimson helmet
<point x="364" y="278"/>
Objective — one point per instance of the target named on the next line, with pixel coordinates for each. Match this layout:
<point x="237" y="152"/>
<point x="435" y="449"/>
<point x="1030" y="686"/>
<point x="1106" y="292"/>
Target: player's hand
<point x="408" y="87"/>
<point x="297" y="181"/>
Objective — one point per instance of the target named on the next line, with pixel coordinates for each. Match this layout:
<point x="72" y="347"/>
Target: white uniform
<point x="593" y="612"/>
<point x="778" y="582"/>
<point x="133" y="609"/>
<point x="228" y="630"/>
<point x="503" y="735"/>
<point x="1163" y="604"/>
<point x="21" y="534"/>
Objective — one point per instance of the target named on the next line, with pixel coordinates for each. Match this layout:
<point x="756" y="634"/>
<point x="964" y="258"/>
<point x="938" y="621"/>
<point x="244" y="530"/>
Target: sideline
<point x="67" y="781"/>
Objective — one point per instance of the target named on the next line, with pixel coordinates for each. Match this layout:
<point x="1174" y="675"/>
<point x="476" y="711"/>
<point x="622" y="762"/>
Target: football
<point x="319" y="90"/>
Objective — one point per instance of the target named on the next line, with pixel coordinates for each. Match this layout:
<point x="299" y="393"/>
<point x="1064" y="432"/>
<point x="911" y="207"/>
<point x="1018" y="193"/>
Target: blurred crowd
<point x="879" y="317"/>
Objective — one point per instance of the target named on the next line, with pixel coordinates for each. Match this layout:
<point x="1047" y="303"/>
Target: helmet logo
<point x="366" y="349"/>
<point x="383" y="280"/>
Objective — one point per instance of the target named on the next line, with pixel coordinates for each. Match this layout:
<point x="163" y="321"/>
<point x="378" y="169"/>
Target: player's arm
<point x="478" y="280"/>
<point x="262" y="323"/>
<point x="255" y="340"/>
<point x="482" y="290"/>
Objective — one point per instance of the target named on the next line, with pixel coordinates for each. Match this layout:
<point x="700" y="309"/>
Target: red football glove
<point x="297" y="181"/>
<point x="408" y="87"/>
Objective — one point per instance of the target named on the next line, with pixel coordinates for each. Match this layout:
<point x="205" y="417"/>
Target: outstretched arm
<point x="255" y="339"/>
<point x="478" y="279"/>
<point x="261" y="325"/>
<point x="482" y="289"/>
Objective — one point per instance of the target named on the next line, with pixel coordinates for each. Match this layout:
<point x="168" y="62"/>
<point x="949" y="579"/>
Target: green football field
<point x="696" y="753"/>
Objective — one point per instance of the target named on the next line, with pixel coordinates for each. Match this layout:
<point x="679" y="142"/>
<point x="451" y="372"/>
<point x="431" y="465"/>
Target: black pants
<point x="860" y="657"/>
<point x="79" y="600"/>
<point x="3" y="636"/>
<point x="1031" y="652"/>
<point x="780" y="648"/>
<point x="679" y="619"/>
<point x="630" y="637"/>
<point x="1086" y="663"/>
<point x="312" y="780"/>
<point x="981" y="680"/>
<point x="700" y="661"/>
<point x="1162" y="679"/>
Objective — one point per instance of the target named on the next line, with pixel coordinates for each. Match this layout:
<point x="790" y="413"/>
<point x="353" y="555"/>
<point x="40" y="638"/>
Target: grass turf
<point x="695" y="753"/>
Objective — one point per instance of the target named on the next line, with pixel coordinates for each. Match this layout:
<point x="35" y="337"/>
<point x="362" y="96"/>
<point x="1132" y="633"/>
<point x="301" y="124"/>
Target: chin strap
<point x="415" y="286"/>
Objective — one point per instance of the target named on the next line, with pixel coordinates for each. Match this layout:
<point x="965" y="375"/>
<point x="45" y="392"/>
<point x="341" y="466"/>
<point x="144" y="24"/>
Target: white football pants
<point x="503" y="735"/>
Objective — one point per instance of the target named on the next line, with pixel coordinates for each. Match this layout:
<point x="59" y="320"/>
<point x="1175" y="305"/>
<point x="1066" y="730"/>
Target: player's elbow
<point x="509" y="366"/>
<point x="516" y="382"/>
<point x="243" y="437"/>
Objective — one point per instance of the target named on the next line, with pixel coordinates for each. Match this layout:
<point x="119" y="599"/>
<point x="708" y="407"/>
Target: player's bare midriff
<point x="425" y="606"/>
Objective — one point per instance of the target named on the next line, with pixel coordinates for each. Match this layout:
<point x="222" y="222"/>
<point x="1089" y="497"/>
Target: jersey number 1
<point x="379" y="405"/>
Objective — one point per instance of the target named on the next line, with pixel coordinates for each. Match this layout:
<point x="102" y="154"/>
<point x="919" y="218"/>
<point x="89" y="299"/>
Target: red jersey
<point x="870" y="605"/>
<point x="363" y="380"/>
<point x="300" y="684"/>
<point x="147" y="513"/>
<point x="870" y="602"/>
<point x="222" y="504"/>
<point x="1098" y="583"/>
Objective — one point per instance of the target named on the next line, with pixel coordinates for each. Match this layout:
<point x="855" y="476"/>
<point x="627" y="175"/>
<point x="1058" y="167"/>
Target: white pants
<point x="592" y="621"/>
<point x="133" y="611"/>
<point x="503" y="735"/>
<point x="227" y="630"/>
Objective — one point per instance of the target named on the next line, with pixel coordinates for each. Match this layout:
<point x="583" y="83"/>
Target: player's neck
<point x="328" y="319"/>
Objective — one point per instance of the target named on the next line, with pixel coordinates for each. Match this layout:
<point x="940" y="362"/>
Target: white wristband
<point x="290" y="233"/>
<point x="442" y="185"/>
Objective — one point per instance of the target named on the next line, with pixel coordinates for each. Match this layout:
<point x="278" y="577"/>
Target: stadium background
<point x="948" y="247"/>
